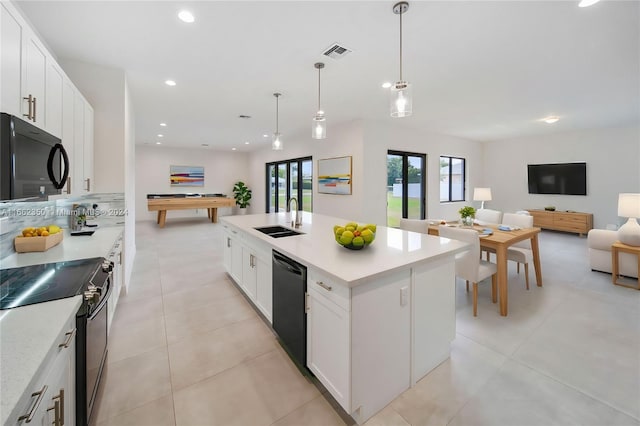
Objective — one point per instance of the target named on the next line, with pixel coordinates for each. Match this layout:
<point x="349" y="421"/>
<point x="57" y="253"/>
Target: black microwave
<point x="33" y="163"/>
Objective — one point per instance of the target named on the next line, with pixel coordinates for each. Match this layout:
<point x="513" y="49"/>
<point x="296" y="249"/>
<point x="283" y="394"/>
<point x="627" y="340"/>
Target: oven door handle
<point x="102" y="304"/>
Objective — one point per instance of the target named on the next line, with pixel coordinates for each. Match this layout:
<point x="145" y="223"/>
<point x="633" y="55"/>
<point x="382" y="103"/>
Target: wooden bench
<point x="161" y="205"/>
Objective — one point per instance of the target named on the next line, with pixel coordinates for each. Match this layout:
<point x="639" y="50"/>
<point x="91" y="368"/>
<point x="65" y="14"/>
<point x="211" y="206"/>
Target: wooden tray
<point x="29" y="244"/>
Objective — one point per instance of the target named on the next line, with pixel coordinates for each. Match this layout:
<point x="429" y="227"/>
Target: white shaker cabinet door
<point x="53" y="99"/>
<point x="11" y="34"/>
<point x="77" y="174"/>
<point x="33" y="72"/>
<point x="89" y="182"/>
<point x="68" y="128"/>
<point x="264" y="291"/>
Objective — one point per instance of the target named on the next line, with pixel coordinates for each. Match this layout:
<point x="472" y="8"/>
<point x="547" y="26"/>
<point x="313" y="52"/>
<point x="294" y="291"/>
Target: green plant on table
<point x="467" y="211"/>
<point x="242" y="194"/>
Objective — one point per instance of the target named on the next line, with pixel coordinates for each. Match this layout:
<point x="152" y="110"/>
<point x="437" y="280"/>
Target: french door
<point x="406" y="189"/>
<point x="286" y="179"/>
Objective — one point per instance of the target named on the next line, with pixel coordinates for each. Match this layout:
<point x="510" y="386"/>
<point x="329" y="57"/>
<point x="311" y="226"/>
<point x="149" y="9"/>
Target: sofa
<point x="599" y="242"/>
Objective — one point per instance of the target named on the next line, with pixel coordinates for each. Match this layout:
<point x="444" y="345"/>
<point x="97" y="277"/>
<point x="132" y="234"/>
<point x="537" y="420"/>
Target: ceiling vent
<point x="336" y="51"/>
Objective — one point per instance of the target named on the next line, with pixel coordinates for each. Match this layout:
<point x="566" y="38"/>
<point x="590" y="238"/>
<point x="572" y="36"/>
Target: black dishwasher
<point x="289" y="316"/>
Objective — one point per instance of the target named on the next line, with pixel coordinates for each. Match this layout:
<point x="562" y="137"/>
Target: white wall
<point x="104" y="88"/>
<point x="613" y="166"/>
<point x="221" y="171"/>
<point x="368" y="142"/>
<point x="130" y="185"/>
<point x="342" y="140"/>
<point x="379" y="137"/>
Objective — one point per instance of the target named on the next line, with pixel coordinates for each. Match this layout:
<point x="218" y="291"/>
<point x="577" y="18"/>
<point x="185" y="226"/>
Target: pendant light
<point x="401" y="100"/>
<point x="319" y="125"/>
<point x="276" y="142"/>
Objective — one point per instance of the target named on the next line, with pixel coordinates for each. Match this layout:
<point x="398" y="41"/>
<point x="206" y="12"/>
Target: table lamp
<point x="629" y="206"/>
<point x="482" y="194"/>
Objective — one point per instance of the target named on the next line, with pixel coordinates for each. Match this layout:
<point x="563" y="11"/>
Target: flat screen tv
<point x="559" y="178"/>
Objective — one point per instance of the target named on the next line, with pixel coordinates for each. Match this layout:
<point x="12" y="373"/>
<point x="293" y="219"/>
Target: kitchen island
<point x="378" y="319"/>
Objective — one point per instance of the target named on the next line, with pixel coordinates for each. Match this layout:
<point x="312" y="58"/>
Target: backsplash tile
<point x="109" y="211"/>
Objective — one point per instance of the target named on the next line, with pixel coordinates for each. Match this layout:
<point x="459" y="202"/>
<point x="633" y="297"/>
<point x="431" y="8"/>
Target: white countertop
<point x="28" y="337"/>
<point x="392" y="248"/>
<point x="70" y="248"/>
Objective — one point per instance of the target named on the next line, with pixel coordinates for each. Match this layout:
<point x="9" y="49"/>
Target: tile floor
<point x="187" y="349"/>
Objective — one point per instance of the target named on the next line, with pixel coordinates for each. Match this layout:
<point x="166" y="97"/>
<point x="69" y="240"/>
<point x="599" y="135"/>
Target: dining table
<point x="500" y="241"/>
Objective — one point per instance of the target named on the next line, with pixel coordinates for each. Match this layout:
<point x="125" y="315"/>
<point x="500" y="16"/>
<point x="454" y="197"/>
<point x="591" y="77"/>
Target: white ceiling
<point x="480" y="70"/>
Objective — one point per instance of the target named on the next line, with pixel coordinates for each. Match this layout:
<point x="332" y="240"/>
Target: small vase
<point x="467" y="221"/>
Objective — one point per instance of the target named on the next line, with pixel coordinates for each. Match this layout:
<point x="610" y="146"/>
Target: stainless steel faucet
<point x="298" y="220"/>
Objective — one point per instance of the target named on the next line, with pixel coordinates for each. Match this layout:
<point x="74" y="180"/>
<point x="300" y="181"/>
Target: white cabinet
<point x="82" y="182"/>
<point x="11" y="34"/>
<point x="87" y="162"/>
<point x="33" y="74"/>
<point x="53" y="99"/>
<point x="248" y="261"/>
<point x="52" y="398"/>
<point x="249" y="273"/>
<point x="68" y="128"/>
<point x="264" y="284"/>
<point x="328" y="326"/>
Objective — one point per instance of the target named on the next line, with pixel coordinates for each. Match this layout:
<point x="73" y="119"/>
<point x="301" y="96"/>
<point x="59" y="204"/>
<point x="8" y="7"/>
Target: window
<point x="406" y="195"/>
<point x="284" y="180"/>
<point x="452" y="178"/>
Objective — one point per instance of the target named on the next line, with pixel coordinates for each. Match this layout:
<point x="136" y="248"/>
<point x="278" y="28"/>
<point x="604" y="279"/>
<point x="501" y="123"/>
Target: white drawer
<point x="331" y="288"/>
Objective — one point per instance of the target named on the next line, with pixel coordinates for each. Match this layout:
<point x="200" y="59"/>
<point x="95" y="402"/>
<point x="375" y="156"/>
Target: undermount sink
<point x="278" y="231"/>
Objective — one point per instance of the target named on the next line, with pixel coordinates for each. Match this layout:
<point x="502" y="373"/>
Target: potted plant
<point x="467" y="213"/>
<point x="242" y="195"/>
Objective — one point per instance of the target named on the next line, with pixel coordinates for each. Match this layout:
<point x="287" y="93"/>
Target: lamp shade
<point x="629" y="205"/>
<point x="481" y="194"/>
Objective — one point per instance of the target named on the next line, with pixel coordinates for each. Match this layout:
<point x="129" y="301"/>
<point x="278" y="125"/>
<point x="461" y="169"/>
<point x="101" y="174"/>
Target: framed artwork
<point x="186" y="176"/>
<point x="334" y="176"/>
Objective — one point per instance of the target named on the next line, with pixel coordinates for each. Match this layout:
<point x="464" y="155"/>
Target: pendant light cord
<point x="277" y="103"/>
<point x="319" y="88"/>
<point x="401" y="12"/>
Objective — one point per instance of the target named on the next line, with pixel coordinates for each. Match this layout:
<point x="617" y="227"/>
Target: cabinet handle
<point x="60" y="397"/>
<point x="68" y="184"/>
<point x="228" y="242"/>
<point x="70" y="335"/>
<point x="34" y="109"/>
<point x="306" y="302"/>
<point x="323" y="285"/>
<point x="56" y="413"/>
<point x="28" y="99"/>
<point x="88" y="180"/>
<point x="252" y="262"/>
<point x="29" y="416"/>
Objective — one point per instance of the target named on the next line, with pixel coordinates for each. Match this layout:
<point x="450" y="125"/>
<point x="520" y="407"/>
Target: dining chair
<point x="469" y="266"/>
<point x="415" y="225"/>
<point x="487" y="216"/>
<point x="520" y="252"/>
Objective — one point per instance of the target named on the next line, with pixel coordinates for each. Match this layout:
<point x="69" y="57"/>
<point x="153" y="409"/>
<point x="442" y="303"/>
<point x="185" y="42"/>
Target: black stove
<point x="90" y="278"/>
<point x="51" y="281"/>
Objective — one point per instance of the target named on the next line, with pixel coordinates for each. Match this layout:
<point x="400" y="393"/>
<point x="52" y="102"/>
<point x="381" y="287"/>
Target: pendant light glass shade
<point x="276" y="141"/>
<point x="319" y="123"/>
<point x="319" y="126"/>
<point x="401" y="99"/>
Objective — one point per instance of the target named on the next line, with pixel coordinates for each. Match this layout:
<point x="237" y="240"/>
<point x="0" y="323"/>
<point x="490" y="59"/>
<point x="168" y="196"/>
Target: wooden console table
<point x="161" y="205"/>
<point x="616" y="249"/>
<point x="579" y="223"/>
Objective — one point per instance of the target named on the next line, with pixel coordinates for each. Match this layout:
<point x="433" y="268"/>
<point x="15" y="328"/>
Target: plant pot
<point x="467" y="221"/>
<point x="241" y="210"/>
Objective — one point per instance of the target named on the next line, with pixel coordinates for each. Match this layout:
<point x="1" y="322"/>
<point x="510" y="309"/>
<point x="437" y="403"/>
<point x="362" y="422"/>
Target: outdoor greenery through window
<point x="452" y="178"/>
<point x="406" y="195"/>
<point x="286" y="179"/>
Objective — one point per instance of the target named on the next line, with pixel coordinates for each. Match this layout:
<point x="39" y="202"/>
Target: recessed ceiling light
<point x="170" y="83"/>
<point x="587" y="3"/>
<point x="386" y="85"/>
<point x="551" y="119"/>
<point x="163" y="124"/>
<point x="158" y="143"/>
<point x="233" y="149"/>
<point x="161" y="136"/>
<point x="186" y="16"/>
<point x="265" y="136"/>
<point x="246" y="143"/>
